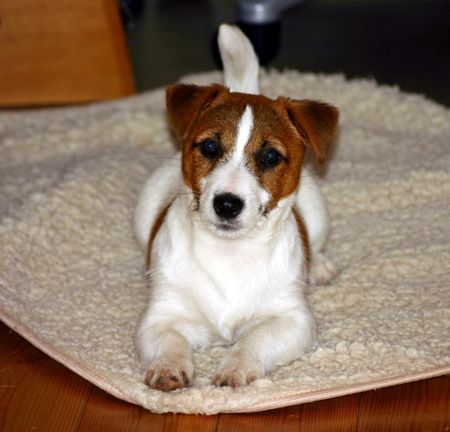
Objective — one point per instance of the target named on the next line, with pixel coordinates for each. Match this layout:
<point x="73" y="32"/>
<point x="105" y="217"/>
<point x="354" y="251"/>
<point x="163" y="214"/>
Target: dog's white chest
<point x="241" y="280"/>
<point x="230" y="284"/>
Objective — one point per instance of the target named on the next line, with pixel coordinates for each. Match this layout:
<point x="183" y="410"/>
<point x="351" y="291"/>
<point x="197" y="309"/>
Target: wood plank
<point x="62" y="52"/>
<point x="35" y="391"/>
<point x="337" y="415"/>
<point x="420" y="406"/>
<point x="104" y="412"/>
<point x="14" y="365"/>
<point x="179" y="423"/>
<point x="276" y="420"/>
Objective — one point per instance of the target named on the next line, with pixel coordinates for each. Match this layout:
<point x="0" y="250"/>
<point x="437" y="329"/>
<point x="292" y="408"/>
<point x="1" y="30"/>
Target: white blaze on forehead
<point x="244" y="132"/>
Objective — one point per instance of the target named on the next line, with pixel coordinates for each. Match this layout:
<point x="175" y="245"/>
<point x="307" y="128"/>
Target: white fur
<point x="312" y="207"/>
<point x="241" y="287"/>
<point x="160" y="189"/>
<point x="243" y="134"/>
<point x="240" y="63"/>
<point x="238" y="180"/>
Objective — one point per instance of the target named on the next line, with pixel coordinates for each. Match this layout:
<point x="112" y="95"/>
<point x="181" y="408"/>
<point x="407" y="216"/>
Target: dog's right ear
<point x="185" y="102"/>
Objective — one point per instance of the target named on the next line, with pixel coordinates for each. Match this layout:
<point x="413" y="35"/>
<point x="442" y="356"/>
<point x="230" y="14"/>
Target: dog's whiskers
<point x="195" y="203"/>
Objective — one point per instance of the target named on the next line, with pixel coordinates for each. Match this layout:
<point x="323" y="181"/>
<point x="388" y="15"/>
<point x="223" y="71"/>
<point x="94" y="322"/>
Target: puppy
<point x="233" y="228"/>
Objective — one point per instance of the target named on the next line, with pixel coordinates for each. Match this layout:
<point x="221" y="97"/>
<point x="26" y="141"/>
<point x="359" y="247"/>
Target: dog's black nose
<point x="227" y="205"/>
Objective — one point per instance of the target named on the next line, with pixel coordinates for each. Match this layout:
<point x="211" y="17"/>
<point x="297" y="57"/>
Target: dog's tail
<point x="240" y="63"/>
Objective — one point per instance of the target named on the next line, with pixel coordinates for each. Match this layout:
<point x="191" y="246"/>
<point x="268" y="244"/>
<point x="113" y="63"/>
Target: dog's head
<point x="243" y="153"/>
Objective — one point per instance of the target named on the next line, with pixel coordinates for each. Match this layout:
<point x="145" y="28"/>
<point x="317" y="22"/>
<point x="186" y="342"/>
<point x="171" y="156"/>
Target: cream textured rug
<point x="72" y="278"/>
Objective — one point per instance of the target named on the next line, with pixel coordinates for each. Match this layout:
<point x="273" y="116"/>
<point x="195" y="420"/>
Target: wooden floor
<point x="38" y="394"/>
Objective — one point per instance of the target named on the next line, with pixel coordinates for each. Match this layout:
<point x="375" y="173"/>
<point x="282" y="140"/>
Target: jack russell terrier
<point x="234" y="229"/>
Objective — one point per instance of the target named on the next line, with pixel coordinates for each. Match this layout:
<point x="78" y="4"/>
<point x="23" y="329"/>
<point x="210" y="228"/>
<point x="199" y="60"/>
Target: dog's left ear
<point x="185" y="102"/>
<point x="316" y="122"/>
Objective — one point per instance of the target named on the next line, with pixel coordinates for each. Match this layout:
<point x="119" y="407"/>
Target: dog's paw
<point x="169" y="374"/>
<point x="322" y="270"/>
<point x="236" y="371"/>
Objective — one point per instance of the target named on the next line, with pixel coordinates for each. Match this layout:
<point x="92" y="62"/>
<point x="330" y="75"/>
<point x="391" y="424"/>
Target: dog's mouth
<point x="235" y="226"/>
<point x="227" y="226"/>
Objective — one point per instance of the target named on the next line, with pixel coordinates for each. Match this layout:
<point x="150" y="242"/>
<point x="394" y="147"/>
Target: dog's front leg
<point x="166" y="356"/>
<point x="273" y="342"/>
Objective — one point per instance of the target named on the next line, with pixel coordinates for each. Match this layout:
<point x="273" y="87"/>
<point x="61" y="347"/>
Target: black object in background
<point x="396" y="42"/>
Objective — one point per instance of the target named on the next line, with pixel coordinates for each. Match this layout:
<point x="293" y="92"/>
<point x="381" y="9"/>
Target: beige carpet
<point x="72" y="278"/>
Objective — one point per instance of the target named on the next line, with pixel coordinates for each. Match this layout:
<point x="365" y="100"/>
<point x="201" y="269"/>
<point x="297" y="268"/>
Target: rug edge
<point x="297" y="398"/>
<point x="80" y="368"/>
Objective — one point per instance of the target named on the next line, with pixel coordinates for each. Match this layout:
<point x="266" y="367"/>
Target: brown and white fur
<point x="233" y="228"/>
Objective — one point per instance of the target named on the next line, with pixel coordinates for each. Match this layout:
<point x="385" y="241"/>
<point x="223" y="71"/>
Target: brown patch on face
<point x="272" y="131"/>
<point x="304" y="237"/>
<point x="198" y="114"/>
<point x="155" y="229"/>
<point x="218" y="124"/>
<point x="288" y="126"/>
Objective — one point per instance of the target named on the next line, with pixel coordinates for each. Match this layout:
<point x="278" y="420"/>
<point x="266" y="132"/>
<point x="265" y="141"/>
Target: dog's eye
<point x="270" y="158"/>
<point x="211" y="149"/>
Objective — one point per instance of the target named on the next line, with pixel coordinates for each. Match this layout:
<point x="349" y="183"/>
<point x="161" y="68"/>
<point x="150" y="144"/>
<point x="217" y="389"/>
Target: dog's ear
<point x="316" y="122"/>
<point x="185" y="102"/>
